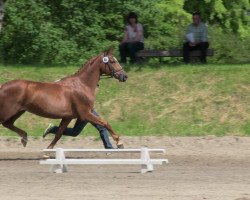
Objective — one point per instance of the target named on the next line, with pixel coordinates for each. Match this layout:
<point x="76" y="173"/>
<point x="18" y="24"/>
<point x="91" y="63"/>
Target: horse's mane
<point x="83" y="66"/>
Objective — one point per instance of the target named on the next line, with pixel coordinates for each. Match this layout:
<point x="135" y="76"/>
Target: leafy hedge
<point x="69" y="32"/>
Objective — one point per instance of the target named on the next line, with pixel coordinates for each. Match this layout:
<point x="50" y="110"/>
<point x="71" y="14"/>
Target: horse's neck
<point x="89" y="76"/>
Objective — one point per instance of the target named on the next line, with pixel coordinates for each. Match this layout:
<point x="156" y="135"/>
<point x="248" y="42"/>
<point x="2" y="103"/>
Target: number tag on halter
<point x="105" y="59"/>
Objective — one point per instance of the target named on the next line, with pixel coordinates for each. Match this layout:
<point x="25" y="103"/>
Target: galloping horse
<point x="68" y="98"/>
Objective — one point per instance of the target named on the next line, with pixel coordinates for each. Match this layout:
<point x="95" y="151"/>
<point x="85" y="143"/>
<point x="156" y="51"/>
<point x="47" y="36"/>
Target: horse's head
<point x="110" y="66"/>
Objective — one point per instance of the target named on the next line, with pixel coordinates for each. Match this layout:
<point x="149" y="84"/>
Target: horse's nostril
<point x="125" y="77"/>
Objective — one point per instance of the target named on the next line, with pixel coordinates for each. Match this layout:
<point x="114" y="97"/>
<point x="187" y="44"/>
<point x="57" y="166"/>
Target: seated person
<point x="196" y="38"/>
<point x="133" y="39"/>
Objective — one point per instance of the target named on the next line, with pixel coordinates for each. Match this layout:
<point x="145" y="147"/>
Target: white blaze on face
<point x="57" y="80"/>
<point x="117" y="61"/>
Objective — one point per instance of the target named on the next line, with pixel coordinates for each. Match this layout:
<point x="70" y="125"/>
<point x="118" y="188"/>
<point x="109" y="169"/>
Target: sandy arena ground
<point x="199" y="168"/>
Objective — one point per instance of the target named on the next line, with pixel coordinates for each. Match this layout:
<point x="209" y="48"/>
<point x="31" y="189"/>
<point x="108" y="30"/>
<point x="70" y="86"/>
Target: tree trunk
<point x="1" y="13"/>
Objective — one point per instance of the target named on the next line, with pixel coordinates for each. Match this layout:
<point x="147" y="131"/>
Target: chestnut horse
<point x="68" y="98"/>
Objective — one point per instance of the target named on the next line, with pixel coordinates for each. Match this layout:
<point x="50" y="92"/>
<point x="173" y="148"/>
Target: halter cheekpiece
<point x="113" y="72"/>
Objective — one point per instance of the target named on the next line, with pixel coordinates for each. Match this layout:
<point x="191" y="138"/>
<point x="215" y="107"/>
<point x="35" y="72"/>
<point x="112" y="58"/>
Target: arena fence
<point x="60" y="162"/>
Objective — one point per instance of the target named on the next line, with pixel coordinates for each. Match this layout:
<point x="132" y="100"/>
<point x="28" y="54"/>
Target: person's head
<point x="196" y="17"/>
<point x="132" y="18"/>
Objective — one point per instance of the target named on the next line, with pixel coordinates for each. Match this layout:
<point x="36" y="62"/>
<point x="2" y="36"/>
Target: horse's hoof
<point x="24" y="141"/>
<point x="120" y="146"/>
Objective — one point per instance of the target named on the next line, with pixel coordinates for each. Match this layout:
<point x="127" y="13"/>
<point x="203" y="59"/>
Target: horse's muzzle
<point x="122" y="77"/>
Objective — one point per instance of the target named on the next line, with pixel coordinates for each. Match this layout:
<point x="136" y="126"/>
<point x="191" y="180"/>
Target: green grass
<point x="193" y="100"/>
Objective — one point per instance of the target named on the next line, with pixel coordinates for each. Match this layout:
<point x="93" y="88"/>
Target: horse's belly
<point x="55" y="112"/>
<point x="52" y="115"/>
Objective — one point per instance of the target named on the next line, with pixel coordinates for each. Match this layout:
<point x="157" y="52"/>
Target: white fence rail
<point x="60" y="162"/>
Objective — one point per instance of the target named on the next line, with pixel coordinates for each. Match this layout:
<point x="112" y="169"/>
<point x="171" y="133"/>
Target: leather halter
<point x="111" y="68"/>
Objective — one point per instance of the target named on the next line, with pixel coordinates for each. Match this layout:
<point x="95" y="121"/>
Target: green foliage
<point x="164" y="23"/>
<point x="229" y="47"/>
<point x="69" y="32"/>
<point x="21" y="28"/>
<point x="230" y="15"/>
<point x="57" y="31"/>
<point x="229" y="27"/>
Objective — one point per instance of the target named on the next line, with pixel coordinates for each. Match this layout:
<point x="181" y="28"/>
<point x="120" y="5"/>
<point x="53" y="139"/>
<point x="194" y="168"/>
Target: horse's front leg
<point x="63" y="125"/>
<point x="97" y="120"/>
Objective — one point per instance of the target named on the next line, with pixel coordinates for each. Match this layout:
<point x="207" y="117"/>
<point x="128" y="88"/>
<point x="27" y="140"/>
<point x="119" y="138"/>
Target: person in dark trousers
<point x="196" y="39"/>
<point x="133" y="40"/>
<point x="78" y="127"/>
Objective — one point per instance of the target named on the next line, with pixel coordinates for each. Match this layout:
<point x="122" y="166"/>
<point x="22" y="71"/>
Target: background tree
<point x="69" y="32"/>
<point x="1" y="13"/>
<point x="230" y="15"/>
<point x="229" y="27"/>
<point x="1" y="24"/>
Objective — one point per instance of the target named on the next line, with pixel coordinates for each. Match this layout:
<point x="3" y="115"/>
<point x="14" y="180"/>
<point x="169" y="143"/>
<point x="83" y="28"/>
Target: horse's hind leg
<point x="10" y="125"/>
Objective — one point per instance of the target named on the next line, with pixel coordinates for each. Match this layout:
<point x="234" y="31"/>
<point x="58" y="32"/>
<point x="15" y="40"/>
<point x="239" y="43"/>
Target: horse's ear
<point x="110" y="51"/>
